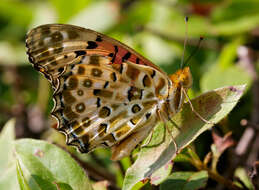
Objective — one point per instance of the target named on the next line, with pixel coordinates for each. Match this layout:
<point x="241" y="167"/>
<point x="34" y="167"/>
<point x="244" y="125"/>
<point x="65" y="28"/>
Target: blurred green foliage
<point x="156" y="29"/>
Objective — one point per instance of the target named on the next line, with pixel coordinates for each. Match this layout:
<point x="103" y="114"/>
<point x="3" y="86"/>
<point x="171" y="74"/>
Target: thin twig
<point x="215" y="175"/>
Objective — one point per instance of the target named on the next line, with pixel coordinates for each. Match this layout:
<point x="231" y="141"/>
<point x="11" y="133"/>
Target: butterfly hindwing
<point x="101" y="104"/>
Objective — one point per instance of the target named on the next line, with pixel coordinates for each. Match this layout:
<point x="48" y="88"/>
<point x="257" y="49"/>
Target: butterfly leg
<point x="174" y="124"/>
<point x="194" y="111"/>
<point x="168" y="130"/>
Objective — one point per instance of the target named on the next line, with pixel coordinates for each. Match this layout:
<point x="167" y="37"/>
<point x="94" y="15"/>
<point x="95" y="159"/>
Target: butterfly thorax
<point x="181" y="80"/>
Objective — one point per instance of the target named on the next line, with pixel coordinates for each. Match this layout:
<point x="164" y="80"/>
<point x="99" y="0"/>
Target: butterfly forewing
<point x="54" y="46"/>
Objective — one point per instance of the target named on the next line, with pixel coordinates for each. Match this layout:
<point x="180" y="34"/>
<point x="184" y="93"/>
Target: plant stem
<point x="220" y="179"/>
<point x="215" y="175"/>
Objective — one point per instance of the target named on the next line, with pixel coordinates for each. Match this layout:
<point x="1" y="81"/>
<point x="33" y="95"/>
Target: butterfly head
<point x="182" y="77"/>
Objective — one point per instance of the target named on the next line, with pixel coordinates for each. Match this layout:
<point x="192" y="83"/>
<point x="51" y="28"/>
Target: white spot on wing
<point x="47" y="40"/>
<point x="85" y="60"/>
<point x="64" y="34"/>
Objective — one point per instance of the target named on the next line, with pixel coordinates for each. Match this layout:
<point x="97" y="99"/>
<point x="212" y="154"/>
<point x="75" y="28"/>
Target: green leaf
<point x="186" y="181"/>
<point x="8" y="178"/>
<point x="17" y="12"/>
<point x="229" y="53"/>
<point x="6" y="144"/>
<point x="217" y="77"/>
<point x="171" y="22"/>
<point x="7" y="50"/>
<point x="49" y="167"/>
<point x="235" y="17"/>
<point x="66" y="9"/>
<point x="237" y="26"/>
<point x="157" y="50"/>
<point x="182" y="158"/>
<point x="161" y="174"/>
<point x="97" y="16"/>
<point x="21" y="179"/>
<point x="213" y="106"/>
<point x="43" y="13"/>
<point x="242" y="175"/>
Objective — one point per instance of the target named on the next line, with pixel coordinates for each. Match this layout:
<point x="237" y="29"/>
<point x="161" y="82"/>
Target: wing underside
<point x="103" y="90"/>
<point x="101" y="104"/>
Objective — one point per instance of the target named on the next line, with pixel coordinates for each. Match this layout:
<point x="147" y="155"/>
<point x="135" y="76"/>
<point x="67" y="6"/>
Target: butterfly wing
<point x="53" y="46"/>
<point x="99" y="99"/>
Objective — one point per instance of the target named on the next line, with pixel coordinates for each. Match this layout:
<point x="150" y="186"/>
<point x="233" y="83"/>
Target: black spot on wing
<point x="153" y="74"/>
<point x="126" y="56"/>
<point x="31" y="59"/>
<point x="111" y="54"/>
<point x="135" y="108"/>
<point x="64" y="86"/>
<point x="98" y="102"/>
<point x="113" y="77"/>
<point x="79" y="53"/>
<point x="115" y="53"/>
<point x="106" y="84"/>
<point x="132" y="122"/>
<point x="141" y="94"/>
<point x="121" y="68"/>
<point x="148" y="115"/>
<point x="130" y="94"/>
<point x="137" y="60"/>
<point x="104" y="126"/>
<point x="99" y="38"/>
<point x="96" y="92"/>
<point x="105" y="144"/>
<point x="116" y="49"/>
<point x="91" y="45"/>
<point x="61" y="69"/>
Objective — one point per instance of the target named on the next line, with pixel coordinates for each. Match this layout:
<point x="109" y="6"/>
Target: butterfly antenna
<point x="185" y="40"/>
<point x="194" y="51"/>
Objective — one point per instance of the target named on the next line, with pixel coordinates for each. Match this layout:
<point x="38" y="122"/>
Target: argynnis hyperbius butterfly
<point x="104" y="92"/>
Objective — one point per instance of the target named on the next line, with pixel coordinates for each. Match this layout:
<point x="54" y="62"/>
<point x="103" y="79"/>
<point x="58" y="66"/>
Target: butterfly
<point x="105" y="93"/>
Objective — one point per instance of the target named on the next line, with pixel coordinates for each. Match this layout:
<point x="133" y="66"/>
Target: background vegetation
<point x="155" y="28"/>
